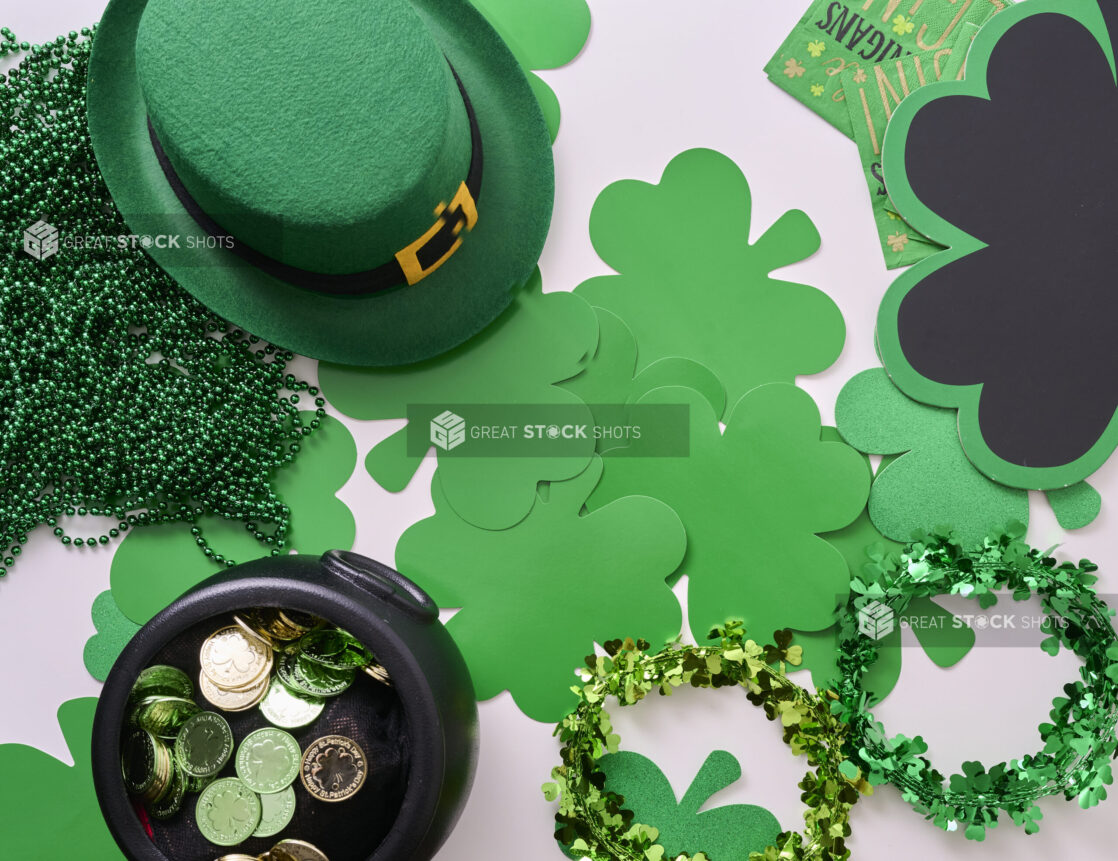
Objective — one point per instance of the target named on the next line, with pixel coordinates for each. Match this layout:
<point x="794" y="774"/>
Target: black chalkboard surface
<point x="1015" y="325"/>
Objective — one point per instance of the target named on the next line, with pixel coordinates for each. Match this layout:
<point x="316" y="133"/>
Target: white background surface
<point x="657" y="77"/>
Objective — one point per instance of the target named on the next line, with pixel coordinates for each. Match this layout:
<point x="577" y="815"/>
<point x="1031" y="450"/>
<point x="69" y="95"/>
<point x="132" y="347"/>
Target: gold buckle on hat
<point x="462" y="212"/>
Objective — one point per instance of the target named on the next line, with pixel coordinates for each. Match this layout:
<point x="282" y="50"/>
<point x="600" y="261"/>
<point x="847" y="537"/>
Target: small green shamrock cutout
<point x="690" y="284"/>
<point x="933" y="482"/>
<point x="114" y="631"/>
<point x="542" y="339"/>
<point x="559" y="581"/>
<point x="542" y="34"/>
<point x="153" y="566"/>
<point x="611" y="377"/>
<point x="727" y="833"/>
<point x="753" y="501"/>
<point x="33" y="823"/>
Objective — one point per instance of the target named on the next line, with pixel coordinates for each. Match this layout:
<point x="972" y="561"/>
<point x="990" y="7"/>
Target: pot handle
<point x="383" y="582"/>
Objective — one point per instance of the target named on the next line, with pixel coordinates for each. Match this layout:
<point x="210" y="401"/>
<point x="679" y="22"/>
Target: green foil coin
<point x="227" y="812"/>
<point x="161" y="681"/>
<point x="268" y="760"/>
<point x="138" y="761"/>
<point x="276" y="810"/>
<point x="172" y="801"/>
<point x="283" y="707"/>
<point x="165" y="716"/>
<point x="204" y="745"/>
<point x="307" y="677"/>
<point x="196" y="784"/>
<point x="334" y="648"/>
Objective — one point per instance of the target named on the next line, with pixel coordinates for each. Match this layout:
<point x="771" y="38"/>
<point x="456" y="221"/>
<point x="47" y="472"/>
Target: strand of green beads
<point x="123" y="396"/>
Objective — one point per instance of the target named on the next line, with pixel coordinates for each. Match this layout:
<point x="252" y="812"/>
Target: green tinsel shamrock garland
<point x="123" y="396"/>
<point x="594" y="822"/>
<point x="1079" y="743"/>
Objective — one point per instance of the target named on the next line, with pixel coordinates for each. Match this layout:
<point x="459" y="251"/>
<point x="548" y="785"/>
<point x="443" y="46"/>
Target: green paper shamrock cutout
<point x="1075" y="506"/>
<point x="753" y="501"/>
<point x="556" y="583"/>
<point x="154" y="566"/>
<point x="114" y="631"/>
<point x="944" y="640"/>
<point x="691" y="285"/>
<point x="727" y="833"/>
<point x="542" y="339"/>
<point x="933" y="482"/>
<point x="611" y="377"/>
<point x="52" y="807"/>
<point x="542" y="34"/>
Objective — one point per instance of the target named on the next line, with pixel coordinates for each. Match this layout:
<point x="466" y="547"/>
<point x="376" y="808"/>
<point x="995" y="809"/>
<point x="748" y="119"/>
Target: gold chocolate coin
<point x="296" y="850"/>
<point x="233" y="701"/>
<point x="235" y="660"/>
<point x="334" y="768"/>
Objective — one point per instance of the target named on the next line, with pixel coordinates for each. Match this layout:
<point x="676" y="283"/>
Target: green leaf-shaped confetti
<point x="690" y="283"/>
<point x="541" y="340"/>
<point x="153" y="566"/>
<point x="557" y="581"/>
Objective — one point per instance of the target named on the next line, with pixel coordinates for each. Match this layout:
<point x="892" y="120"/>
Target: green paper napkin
<point x="835" y="36"/>
<point x="872" y="95"/>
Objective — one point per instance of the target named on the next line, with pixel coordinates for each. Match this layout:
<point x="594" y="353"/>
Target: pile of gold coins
<point x="285" y="663"/>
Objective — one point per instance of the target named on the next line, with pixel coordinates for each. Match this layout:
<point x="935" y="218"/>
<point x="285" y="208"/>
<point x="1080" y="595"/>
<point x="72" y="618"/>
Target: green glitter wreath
<point x="593" y="821"/>
<point x="1080" y="741"/>
<point x="124" y="397"/>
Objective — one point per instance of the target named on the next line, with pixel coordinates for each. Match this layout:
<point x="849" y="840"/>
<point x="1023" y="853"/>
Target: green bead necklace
<point x="123" y="396"/>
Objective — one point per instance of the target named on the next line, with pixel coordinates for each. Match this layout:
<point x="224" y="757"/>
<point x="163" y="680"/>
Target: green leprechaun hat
<point x="363" y="181"/>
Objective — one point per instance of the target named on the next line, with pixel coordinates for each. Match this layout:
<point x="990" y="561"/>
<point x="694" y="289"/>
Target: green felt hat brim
<point x="400" y="326"/>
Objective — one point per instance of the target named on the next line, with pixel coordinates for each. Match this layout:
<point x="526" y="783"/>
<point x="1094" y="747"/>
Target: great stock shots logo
<point x="876" y="620"/>
<point x="40" y="240"/>
<point x="571" y="429"/>
<point x="448" y="431"/>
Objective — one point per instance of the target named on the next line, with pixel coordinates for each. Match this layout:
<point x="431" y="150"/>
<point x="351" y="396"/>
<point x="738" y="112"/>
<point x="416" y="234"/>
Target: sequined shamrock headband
<point x="592" y="820"/>
<point x="1079" y="743"/>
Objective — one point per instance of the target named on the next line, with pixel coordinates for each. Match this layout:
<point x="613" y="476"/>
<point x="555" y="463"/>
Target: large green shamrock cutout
<point x="692" y="285"/>
<point x="553" y="585"/>
<point x="611" y="376"/>
<point x="114" y="631"/>
<point x="542" y="339"/>
<point x="727" y="833"/>
<point x="543" y="34"/>
<point x="153" y="566"/>
<point x="933" y="482"/>
<point x="49" y="809"/>
<point x="753" y="501"/>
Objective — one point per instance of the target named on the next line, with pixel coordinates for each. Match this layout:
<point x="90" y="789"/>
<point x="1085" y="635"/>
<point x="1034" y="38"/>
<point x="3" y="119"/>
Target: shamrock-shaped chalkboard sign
<point x="1012" y="326"/>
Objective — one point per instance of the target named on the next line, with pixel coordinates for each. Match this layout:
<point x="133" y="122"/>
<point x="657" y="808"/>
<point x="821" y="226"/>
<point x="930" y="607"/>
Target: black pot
<point x="420" y="734"/>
